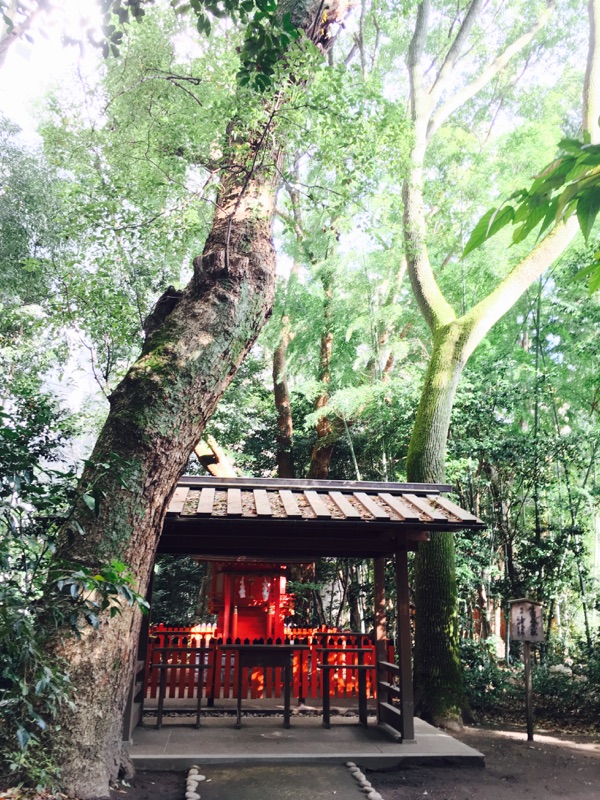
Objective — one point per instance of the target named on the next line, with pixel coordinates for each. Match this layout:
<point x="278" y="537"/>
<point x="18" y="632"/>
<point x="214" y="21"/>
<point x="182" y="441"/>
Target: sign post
<point x="526" y="625"/>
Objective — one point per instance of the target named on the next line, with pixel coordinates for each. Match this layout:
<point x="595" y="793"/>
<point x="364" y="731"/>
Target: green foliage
<point x="487" y="680"/>
<point x="39" y="596"/>
<point x="564" y="695"/>
<point x="569" y="185"/>
<point x="268" y="32"/>
<point x="179" y="591"/>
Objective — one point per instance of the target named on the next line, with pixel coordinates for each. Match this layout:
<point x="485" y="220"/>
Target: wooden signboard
<point x="526" y="623"/>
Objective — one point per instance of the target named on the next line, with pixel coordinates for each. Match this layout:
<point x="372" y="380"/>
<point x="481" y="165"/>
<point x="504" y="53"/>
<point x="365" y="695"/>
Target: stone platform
<point x="264" y="740"/>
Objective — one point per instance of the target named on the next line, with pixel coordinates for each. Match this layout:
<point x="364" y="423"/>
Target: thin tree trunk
<point x="281" y="391"/>
<point x="323" y="447"/>
<point x="214" y="459"/>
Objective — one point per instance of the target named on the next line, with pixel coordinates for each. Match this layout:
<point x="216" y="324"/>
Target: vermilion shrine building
<point x="250" y="528"/>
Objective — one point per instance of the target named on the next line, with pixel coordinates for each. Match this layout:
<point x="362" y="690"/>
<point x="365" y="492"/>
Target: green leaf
<point x="490" y="223"/>
<point x="504" y="217"/>
<point x="90" y="502"/>
<point x="535" y="216"/>
<point x="588" y="206"/>
<point x="479" y="234"/>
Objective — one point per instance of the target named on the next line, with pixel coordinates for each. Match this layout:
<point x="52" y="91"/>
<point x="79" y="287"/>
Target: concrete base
<point x="264" y="740"/>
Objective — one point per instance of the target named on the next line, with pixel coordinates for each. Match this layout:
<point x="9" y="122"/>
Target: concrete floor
<point x="264" y="740"/>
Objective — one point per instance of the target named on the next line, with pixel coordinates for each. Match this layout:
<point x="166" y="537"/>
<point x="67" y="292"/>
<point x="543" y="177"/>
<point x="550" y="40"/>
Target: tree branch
<point x="413" y="60"/>
<point x="455" y="50"/>
<point x="483" y="316"/>
<point x="11" y="36"/>
<point x="488" y="74"/>
<point x="591" y="87"/>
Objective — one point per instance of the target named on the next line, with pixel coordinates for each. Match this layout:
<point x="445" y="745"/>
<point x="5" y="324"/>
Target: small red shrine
<point x="250" y="528"/>
<point x="250" y="600"/>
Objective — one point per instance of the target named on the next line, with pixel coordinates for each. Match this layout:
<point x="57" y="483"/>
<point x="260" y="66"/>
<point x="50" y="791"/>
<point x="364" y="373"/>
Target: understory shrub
<point x="40" y="596"/>
<point x="496" y="689"/>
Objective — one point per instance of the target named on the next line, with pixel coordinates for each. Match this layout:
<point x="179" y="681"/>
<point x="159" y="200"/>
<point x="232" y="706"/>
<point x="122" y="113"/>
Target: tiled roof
<point x="246" y="498"/>
<point x="258" y="515"/>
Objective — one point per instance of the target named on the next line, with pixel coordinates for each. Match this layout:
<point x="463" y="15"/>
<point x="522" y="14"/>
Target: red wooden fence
<point x="218" y="679"/>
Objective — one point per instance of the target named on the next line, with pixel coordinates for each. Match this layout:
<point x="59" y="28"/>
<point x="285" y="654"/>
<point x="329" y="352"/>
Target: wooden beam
<point x="299" y="485"/>
<point x="426" y="507"/>
<point x="234" y="502"/>
<point x="457" y="511"/>
<point x="290" y="504"/>
<point x="178" y="500"/>
<point x="344" y="506"/>
<point x="404" y="511"/>
<point x="317" y="505"/>
<point x="379" y="598"/>
<point x="380" y="632"/>
<point x="206" y="502"/>
<point x="365" y="500"/>
<point x="263" y="506"/>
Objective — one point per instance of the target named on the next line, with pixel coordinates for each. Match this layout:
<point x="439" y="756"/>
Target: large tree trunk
<point x="437" y="672"/>
<point x="157" y="415"/>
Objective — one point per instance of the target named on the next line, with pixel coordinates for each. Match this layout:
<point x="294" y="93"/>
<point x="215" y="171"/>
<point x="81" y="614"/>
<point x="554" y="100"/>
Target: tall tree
<point x="455" y="337"/>
<point x="193" y="347"/>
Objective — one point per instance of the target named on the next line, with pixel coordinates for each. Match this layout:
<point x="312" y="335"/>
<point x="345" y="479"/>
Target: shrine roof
<point x="293" y="517"/>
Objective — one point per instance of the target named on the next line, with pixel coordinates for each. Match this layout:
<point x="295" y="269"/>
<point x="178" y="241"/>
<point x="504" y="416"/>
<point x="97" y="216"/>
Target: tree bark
<point x="157" y="415"/>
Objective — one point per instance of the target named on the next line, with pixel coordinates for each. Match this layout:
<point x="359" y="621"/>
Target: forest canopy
<point x="260" y="225"/>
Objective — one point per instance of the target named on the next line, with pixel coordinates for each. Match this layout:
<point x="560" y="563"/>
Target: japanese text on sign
<point x="526" y="621"/>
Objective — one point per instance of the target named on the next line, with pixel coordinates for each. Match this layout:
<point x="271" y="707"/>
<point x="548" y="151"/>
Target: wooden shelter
<point x="299" y="520"/>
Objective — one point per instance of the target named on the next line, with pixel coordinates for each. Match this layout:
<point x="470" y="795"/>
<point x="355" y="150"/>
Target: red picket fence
<point x="198" y="662"/>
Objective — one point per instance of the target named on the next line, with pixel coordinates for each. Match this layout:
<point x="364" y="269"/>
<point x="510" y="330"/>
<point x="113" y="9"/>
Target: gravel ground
<point x="555" y="765"/>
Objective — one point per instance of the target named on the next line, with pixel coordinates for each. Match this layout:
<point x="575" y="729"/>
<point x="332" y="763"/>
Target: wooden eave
<point x="305" y="518"/>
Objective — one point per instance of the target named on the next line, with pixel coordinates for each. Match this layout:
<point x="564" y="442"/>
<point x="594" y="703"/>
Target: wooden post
<point x="528" y="690"/>
<point x="404" y="647"/>
<point x="226" y="605"/>
<point x="235" y="624"/>
<point x="380" y="622"/>
<point x="379" y="587"/>
<point x="325" y="676"/>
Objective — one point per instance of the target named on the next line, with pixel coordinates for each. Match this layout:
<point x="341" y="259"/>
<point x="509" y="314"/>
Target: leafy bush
<point x="40" y="594"/>
<point x="488" y="683"/>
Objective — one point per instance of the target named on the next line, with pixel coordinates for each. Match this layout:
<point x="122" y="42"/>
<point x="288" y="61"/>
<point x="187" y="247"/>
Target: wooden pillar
<point x="379" y="592"/>
<point x="404" y="647"/>
<point x="226" y="605"/>
<point x="277" y="626"/>
<point x="380" y="632"/>
<point x="234" y="631"/>
<point x="134" y="709"/>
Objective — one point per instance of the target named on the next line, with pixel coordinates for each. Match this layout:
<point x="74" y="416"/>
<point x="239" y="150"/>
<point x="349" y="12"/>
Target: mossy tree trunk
<point x="158" y="414"/>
